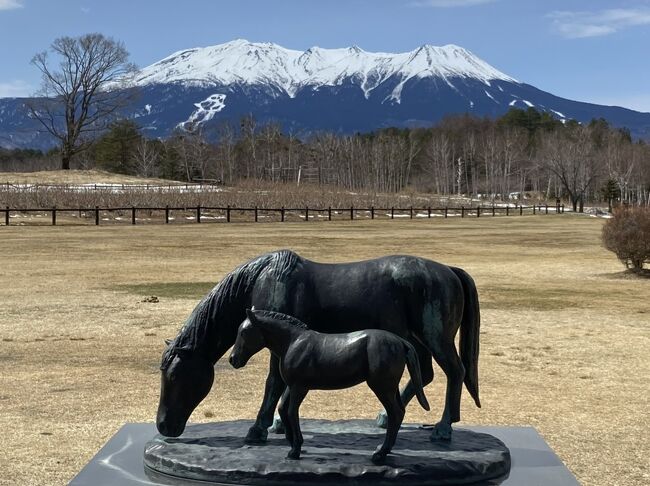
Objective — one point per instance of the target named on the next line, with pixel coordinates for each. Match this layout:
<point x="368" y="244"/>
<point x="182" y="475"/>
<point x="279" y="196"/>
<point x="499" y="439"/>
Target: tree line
<point x="522" y="152"/>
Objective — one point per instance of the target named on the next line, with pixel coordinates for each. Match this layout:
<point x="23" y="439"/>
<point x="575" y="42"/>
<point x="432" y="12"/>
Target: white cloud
<point x="15" y="89"/>
<point x="10" y="4"/>
<point x="576" y="25"/>
<point x="451" y="3"/>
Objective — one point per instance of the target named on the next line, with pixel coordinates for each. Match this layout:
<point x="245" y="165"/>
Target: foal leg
<point x="447" y="358"/>
<point x="273" y="389"/>
<point x="389" y="397"/>
<point x="408" y="392"/>
<point x="283" y="410"/>
<point x="296" y="396"/>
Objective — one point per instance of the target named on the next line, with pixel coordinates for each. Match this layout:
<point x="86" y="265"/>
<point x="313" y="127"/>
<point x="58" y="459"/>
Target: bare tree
<point x="571" y="156"/>
<point x="79" y="97"/>
<point x="146" y="157"/>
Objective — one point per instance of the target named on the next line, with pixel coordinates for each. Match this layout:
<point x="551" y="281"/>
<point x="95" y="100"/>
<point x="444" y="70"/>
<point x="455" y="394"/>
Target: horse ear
<point x="168" y="342"/>
<point x="250" y="314"/>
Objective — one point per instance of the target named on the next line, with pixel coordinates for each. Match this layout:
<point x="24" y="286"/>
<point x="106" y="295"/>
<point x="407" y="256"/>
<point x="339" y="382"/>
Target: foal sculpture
<point x="311" y="360"/>
<point x="422" y="301"/>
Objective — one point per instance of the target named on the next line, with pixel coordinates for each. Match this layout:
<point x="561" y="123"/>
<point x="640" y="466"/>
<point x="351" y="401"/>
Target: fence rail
<point x="206" y="213"/>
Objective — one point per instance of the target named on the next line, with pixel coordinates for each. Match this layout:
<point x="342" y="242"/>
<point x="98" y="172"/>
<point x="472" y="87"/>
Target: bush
<point x="627" y="234"/>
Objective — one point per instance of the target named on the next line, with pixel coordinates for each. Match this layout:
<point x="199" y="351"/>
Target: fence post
<point x="462" y="211"/>
<point x="508" y="210"/>
<point x="167" y="214"/>
<point x="478" y="211"/>
<point x="96" y="215"/>
<point x="547" y="209"/>
<point x="521" y="210"/>
<point x="228" y="214"/>
<point x="54" y="216"/>
<point x="351" y="213"/>
<point x="329" y="213"/>
<point x="307" y="214"/>
<point x="534" y="210"/>
<point x="7" y="216"/>
<point x="133" y="215"/>
<point x="493" y="213"/>
<point x="198" y="213"/>
<point x="392" y="212"/>
<point x="372" y="212"/>
<point x="429" y="212"/>
<point x="282" y="214"/>
<point x="411" y="212"/>
<point x="561" y="206"/>
<point x="446" y="212"/>
<point x="256" y="214"/>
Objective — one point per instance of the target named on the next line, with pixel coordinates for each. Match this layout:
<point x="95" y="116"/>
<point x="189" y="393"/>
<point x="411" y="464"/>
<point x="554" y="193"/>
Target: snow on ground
<point x="528" y="103"/>
<point x="115" y="188"/>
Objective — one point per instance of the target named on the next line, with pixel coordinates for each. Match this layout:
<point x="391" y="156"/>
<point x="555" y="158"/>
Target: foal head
<point x="249" y="341"/>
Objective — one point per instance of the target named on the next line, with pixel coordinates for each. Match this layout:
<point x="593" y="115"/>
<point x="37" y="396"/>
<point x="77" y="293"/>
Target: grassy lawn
<point x="564" y="339"/>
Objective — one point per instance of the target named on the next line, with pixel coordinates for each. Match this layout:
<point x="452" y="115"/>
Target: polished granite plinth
<point x="121" y="459"/>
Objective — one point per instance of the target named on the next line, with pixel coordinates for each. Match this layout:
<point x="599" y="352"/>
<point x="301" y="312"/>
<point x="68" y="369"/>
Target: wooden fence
<point x="200" y="214"/>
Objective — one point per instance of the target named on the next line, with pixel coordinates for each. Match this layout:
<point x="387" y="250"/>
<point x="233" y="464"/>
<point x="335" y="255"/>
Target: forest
<point x="523" y="153"/>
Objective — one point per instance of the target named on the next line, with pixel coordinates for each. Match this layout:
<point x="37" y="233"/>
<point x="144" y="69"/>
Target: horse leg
<point x="447" y="358"/>
<point x="273" y="389"/>
<point x="408" y="392"/>
<point x="386" y="387"/>
<point x="395" y="414"/>
<point x="296" y="396"/>
<point x="283" y="408"/>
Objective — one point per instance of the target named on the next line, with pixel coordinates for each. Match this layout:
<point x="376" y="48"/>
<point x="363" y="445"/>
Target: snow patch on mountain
<point x="206" y="110"/>
<point x="288" y="71"/>
<point x="491" y="97"/>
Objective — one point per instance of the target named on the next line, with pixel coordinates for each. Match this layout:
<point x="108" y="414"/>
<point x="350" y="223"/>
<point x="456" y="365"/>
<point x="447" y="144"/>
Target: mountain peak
<point x="256" y="63"/>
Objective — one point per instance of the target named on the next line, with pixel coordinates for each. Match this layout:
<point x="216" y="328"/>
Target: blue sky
<point x="594" y="51"/>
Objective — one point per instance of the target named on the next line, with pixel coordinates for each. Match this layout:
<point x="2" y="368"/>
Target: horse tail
<point x="469" y="333"/>
<point x="413" y="365"/>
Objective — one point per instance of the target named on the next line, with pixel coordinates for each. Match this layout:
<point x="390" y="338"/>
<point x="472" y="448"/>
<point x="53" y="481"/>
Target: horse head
<point x="186" y="379"/>
<point x="249" y="341"/>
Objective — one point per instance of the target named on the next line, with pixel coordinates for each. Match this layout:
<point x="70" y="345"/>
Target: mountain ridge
<point x="343" y="90"/>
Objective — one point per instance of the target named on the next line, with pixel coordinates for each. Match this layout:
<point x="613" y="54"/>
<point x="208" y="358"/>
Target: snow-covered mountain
<point x="343" y="90"/>
<point x="288" y="71"/>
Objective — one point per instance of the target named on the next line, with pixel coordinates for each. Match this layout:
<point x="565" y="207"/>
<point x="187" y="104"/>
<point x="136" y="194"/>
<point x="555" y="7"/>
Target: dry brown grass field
<point x="564" y="339"/>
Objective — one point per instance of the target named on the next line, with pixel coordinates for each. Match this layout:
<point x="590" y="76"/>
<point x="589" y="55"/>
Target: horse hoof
<point x="378" y="458"/>
<point x="293" y="455"/>
<point x="441" y="432"/>
<point x="382" y="420"/>
<point x="256" y="436"/>
<point x="277" y="427"/>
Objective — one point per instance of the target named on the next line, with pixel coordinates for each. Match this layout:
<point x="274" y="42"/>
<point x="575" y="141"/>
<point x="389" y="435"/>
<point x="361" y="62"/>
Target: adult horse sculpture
<point x="420" y="300"/>
<point x="311" y="360"/>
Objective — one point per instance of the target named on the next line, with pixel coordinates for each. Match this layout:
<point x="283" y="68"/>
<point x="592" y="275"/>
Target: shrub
<point x="627" y="234"/>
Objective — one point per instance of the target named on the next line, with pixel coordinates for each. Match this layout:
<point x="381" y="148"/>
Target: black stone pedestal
<point x="334" y="453"/>
<point x="120" y="461"/>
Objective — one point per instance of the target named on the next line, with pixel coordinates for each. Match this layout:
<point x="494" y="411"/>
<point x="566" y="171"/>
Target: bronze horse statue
<point x="422" y="301"/>
<point x="311" y="360"/>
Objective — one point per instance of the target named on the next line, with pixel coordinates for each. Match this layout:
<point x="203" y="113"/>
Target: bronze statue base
<point x="334" y="453"/>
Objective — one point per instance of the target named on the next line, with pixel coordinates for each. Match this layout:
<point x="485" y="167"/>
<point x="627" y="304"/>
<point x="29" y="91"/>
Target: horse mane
<point x="231" y="288"/>
<point x="279" y="316"/>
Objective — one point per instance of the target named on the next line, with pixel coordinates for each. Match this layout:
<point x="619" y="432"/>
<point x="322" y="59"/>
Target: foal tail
<point x="469" y="333"/>
<point x="413" y="365"/>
